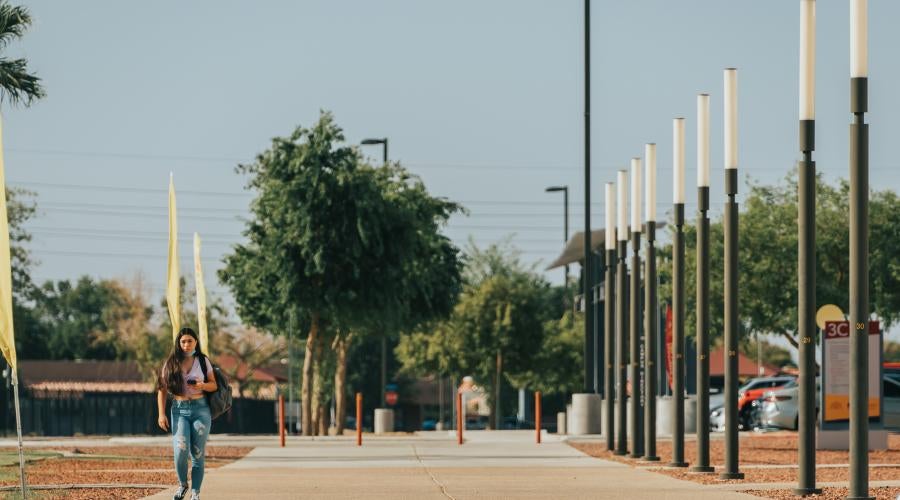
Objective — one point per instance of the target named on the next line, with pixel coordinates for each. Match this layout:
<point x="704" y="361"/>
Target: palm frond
<point x="14" y="21"/>
<point x="17" y="85"/>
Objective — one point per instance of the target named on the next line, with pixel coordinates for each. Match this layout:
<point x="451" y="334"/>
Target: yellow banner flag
<point x="201" y="298"/>
<point x="7" y="337"/>
<point x="173" y="285"/>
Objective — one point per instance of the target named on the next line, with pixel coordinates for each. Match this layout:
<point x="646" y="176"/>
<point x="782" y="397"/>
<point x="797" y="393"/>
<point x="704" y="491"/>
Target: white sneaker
<point x="180" y="492"/>
<point x="195" y="495"/>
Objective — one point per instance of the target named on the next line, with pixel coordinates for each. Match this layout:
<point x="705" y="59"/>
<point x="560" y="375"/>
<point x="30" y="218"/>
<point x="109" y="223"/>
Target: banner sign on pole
<point x="836" y="371"/>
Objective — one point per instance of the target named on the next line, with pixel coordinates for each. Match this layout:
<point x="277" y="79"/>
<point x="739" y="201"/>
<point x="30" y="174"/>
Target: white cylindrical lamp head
<point x="622" y="202"/>
<point x="703" y="140"/>
<point x="807" y="59"/>
<point x="636" y="195"/>
<point x="678" y="160"/>
<point x="650" y="181"/>
<point x="610" y="229"/>
<point x="731" y="122"/>
<point x="859" y="38"/>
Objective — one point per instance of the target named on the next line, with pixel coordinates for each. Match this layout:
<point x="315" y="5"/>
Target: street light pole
<point x="859" y="252"/>
<point x="678" y="296"/>
<point x="634" y="321"/>
<point x="806" y="258"/>
<point x="609" y="317"/>
<point x="650" y="310"/>
<point x="565" y="191"/>
<point x="384" y="142"/>
<point x="731" y="279"/>
<point x="702" y="306"/>
<point x="587" y="290"/>
<point x="622" y="314"/>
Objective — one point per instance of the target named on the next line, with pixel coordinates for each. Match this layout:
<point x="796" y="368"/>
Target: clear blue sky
<point x="482" y="99"/>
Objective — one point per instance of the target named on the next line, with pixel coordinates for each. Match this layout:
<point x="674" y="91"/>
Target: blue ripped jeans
<point x="190" y="427"/>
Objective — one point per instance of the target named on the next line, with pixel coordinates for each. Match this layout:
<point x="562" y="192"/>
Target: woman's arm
<point x="162" y="420"/>
<point x="210" y="385"/>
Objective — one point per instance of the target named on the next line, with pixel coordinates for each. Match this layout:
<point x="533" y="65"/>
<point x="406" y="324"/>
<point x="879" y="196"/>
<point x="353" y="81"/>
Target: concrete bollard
<point x="585" y="414"/>
<point x="568" y="417"/>
<point x="561" y="423"/>
<point x="384" y="420"/>
<point x="664" y="415"/>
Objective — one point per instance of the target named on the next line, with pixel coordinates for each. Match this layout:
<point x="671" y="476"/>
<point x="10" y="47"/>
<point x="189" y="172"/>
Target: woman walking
<point x="187" y="374"/>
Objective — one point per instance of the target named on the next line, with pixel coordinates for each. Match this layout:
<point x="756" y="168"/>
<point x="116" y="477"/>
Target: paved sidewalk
<point x="492" y="464"/>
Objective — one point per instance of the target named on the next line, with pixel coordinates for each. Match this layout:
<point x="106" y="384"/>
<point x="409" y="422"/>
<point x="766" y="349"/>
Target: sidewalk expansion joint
<point x="433" y="479"/>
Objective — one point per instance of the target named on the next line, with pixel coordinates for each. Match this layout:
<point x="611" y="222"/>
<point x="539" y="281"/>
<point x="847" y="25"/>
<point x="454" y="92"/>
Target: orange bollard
<point x="537" y="416"/>
<point x="281" y="418"/>
<point x="460" y="419"/>
<point x="359" y="416"/>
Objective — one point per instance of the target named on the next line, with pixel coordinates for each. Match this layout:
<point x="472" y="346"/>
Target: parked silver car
<point x="779" y="407"/>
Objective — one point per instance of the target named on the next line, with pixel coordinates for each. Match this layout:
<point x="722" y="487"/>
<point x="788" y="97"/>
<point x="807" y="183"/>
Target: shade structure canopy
<point x="573" y="252"/>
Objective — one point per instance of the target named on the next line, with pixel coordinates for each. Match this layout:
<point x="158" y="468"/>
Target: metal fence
<point x="122" y="414"/>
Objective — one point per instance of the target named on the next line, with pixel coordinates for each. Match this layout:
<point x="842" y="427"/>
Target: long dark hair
<point x="171" y="378"/>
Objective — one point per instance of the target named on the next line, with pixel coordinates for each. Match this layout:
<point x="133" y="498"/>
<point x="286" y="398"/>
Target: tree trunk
<point x="494" y="419"/>
<point x="306" y="385"/>
<point x="317" y="388"/>
<point x="341" y="344"/>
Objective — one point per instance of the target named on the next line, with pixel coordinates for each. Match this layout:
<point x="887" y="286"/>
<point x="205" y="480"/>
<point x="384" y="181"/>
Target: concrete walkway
<point x="498" y="464"/>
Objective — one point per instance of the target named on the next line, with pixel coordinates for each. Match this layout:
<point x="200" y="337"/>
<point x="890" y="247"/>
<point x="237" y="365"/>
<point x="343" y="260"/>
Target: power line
<point x="411" y="163"/>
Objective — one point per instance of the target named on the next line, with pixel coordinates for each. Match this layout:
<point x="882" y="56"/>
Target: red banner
<point x="668" y="344"/>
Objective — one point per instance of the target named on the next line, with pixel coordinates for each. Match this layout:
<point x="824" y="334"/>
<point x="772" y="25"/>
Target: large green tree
<point x="17" y="84"/>
<point x="768" y="258"/>
<point x="341" y="246"/>
<point x="495" y="332"/>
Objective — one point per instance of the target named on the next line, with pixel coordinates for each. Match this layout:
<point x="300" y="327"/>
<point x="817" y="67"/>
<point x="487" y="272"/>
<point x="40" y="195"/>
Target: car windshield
<point x="762" y="383"/>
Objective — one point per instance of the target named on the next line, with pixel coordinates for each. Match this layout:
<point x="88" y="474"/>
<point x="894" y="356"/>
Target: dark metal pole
<point x="384" y="339"/>
<point x="599" y="321"/>
<point x="806" y="311"/>
<point x="703" y="333"/>
<point x="383" y="371"/>
<point x="650" y="325"/>
<point x="621" y="348"/>
<point x="859" y="290"/>
<point x="609" y="321"/>
<point x="566" y="230"/>
<point x="678" y="339"/>
<point x="634" y="322"/>
<point x="731" y="328"/>
<point x="586" y="282"/>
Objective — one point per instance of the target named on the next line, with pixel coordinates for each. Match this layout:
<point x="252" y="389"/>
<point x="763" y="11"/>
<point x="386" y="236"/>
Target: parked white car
<point x="780" y="406"/>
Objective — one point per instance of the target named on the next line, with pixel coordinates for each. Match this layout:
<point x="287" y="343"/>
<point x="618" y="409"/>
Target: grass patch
<point x="9" y="458"/>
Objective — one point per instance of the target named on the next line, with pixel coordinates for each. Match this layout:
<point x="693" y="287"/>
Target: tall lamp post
<point x="702" y="306"/>
<point x="731" y="279"/>
<point x="622" y="314"/>
<point x="806" y="259"/>
<point x="859" y="251"/>
<point x="634" y="319"/>
<point x="565" y="191"/>
<point x="384" y="142"/>
<point x="650" y="310"/>
<point x="587" y="288"/>
<point x="609" y="318"/>
<point x="678" y="296"/>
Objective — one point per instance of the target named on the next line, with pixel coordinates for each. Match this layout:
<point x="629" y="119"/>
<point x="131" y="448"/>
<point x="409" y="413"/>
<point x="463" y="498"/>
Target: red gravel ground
<point x="778" y="448"/>
<point x="769" y="448"/>
<point x="107" y="465"/>
<point x="827" y="493"/>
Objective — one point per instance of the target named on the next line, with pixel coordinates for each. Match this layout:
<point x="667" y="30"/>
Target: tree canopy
<point x="768" y="258"/>
<point x="341" y="245"/>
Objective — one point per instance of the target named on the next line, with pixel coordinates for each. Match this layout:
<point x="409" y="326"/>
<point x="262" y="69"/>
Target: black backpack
<point x="219" y="401"/>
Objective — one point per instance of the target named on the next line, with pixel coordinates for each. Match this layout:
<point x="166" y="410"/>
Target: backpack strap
<point x="203" y="366"/>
